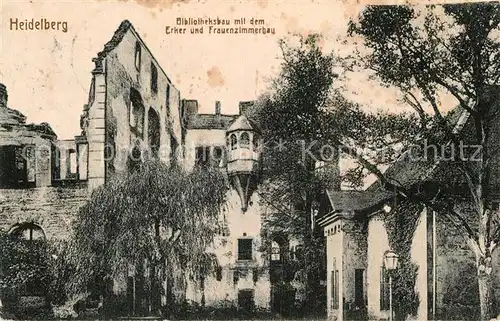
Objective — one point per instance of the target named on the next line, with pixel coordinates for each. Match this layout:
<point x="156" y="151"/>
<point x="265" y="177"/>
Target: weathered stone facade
<point x="40" y="182"/>
<point x="52" y="208"/>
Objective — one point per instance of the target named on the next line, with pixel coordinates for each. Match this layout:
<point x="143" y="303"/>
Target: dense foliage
<point x="291" y="119"/>
<point x="157" y="213"/>
<point x="430" y="54"/>
<point x="25" y="269"/>
<point x="401" y="224"/>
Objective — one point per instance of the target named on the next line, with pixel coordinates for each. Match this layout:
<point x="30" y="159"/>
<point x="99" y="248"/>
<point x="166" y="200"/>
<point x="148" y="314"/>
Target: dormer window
<point x="137" y="60"/>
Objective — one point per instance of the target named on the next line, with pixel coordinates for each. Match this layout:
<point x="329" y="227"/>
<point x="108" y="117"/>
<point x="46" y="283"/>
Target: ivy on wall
<point x="401" y="223"/>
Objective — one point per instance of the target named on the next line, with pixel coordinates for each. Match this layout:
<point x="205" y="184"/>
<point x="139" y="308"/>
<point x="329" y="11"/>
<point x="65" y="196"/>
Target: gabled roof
<point x="124" y="26"/>
<point x="355" y="201"/>
<point x="408" y="171"/>
<point x="209" y="121"/>
<point x="351" y="204"/>
<point x="243" y="123"/>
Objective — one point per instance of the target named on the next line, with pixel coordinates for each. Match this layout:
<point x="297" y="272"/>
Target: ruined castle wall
<point x="122" y="75"/>
<point x="52" y="208"/>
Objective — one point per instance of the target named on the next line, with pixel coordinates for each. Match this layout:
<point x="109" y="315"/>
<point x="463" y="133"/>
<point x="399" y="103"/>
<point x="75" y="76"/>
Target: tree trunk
<point x="485" y="295"/>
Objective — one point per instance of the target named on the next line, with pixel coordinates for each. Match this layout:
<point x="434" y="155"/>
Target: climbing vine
<point x="401" y="224"/>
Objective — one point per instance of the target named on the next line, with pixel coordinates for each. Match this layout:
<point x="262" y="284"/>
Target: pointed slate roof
<point x="243" y="123"/>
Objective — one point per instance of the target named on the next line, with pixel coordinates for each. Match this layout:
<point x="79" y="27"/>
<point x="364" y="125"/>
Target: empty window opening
<point x="28" y="232"/>
<point x="154" y="79"/>
<point x="359" y="287"/>
<point x="17" y="166"/>
<point x="137" y="60"/>
<point x="72" y="161"/>
<point x="202" y="155"/>
<point x="219" y="273"/>
<point x="153" y="132"/>
<point x="137" y="112"/>
<point x="167" y="101"/>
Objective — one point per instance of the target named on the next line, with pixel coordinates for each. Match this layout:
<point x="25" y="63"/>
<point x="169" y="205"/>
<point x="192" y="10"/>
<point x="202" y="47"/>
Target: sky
<point x="47" y="73"/>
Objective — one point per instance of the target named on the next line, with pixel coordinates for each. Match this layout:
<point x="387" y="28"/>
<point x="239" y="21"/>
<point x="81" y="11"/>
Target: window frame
<point x="247" y="255"/>
<point x="154" y="78"/>
<point x="137" y="56"/>
<point x="384" y="289"/>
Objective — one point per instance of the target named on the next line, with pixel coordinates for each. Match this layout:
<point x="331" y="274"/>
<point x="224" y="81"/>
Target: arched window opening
<point x="234" y="141"/>
<point x="275" y="251"/>
<point x="136" y="113"/>
<point x="28" y="232"/>
<point x="153" y="131"/>
<point x="255" y="142"/>
<point x="245" y="140"/>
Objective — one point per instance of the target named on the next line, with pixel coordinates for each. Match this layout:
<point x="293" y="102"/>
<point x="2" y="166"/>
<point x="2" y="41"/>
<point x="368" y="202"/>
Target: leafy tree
<point x="430" y="53"/>
<point x="292" y="118"/>
<point x="156" y="212"/>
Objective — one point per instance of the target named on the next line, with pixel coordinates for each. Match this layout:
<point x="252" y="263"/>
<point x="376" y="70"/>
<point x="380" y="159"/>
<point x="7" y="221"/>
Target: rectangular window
<point x="246" y="300"/>
<point x="219" y="273"/>
<point x="217" y="156"/>
<point x="167" y="101"/>
<point x="359" y="287"/>
<point x="13" y="167"/>
<point x="30" y="163"/>
<point x="202" y="155"/>
<point x="137" y="113"/>
<point x="384" y="289"/>
<point x="154" y="79"/>
<point x="137" y="56"/>
<point x="236" y="276"/>
<point x="335" y="289"/>
<point x="244" y="249"/>
<point x="72" y="161"/>
<point x="255" y="275"/>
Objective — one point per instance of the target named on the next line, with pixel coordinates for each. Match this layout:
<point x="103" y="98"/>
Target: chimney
<point x="217" y="108"/>
<point x="190" y="106"/>
<point x="3" y="95"/>
<point x="244" y="105"/>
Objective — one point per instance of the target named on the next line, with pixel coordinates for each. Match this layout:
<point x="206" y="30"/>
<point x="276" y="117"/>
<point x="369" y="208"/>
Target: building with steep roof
<point x="359" y="233"/>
